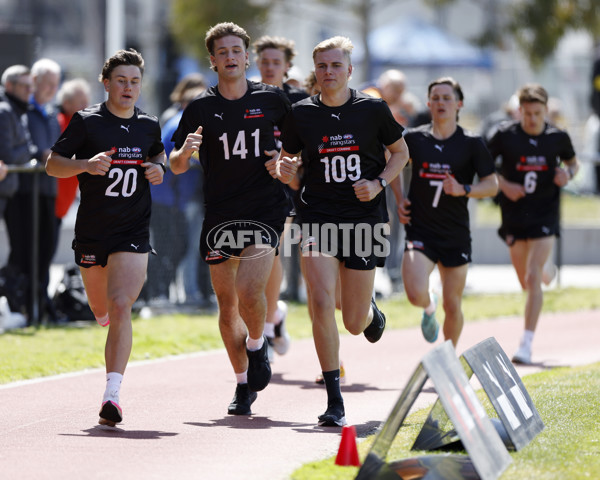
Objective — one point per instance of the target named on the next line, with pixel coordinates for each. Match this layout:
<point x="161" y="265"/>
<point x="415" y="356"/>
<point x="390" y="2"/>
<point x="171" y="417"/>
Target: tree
<point x="190" y="19"/>
<point x="537" y="26"/>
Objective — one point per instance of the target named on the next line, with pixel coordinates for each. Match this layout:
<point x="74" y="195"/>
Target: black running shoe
<point x="259" y="369"/>
<point x="334" y="416"/>
<point x="242" y="400"/>
<point x="110" y="414"/>
<point x="375" y="329"/>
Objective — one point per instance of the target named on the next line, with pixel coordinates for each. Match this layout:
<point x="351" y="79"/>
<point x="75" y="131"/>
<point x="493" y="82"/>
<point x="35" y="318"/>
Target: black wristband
<point x="164" y="167"/>
<point x="467" y="190"/>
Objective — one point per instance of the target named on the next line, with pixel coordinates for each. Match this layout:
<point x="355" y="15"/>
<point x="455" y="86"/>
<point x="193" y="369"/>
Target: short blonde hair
<point x="340" y="42"/>
<point x="532" y="92"/>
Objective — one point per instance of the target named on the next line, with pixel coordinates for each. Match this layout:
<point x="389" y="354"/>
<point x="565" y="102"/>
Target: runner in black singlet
<point x="536" y="160"/>
<point x="116" y="152"/>
<point x="231" y="127"/>
<point x="342" y="135"/>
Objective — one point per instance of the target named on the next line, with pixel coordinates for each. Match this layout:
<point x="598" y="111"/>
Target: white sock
<point x="527" y="338"/>
<point x="254" y="344"/>
<point x="242" y="377"/>
<point x="270" y="329"/>
<point x="431" y="308"/>
<point x="113" y="386"/>
<point x="102" y="320"/>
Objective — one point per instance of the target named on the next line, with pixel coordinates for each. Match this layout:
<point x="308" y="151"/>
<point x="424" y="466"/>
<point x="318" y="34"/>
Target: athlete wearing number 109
<point x="231" y="126"/>
<point x="342" y="135"/>
<point x="115" y="150"/>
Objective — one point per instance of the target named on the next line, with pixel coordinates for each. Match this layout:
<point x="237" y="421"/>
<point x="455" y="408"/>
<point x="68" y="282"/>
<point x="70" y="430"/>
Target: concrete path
<point x="176" y="425"/>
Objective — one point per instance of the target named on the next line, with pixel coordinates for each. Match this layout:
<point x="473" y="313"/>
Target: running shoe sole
<point x="110" y="414"/>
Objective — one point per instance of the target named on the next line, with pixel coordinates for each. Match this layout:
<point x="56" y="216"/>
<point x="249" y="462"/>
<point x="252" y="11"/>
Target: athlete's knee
<point x="417" y="297"/>
<point x="532" y="281"/>
<point x="119" y="305"/>
<point x="452" y="308"/>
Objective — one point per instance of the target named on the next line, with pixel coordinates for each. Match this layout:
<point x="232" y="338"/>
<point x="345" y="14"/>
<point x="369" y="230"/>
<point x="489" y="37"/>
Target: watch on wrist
<point x="164" y="167"/>
<point x="382" y="182"/>
<point x="467" y="190"/>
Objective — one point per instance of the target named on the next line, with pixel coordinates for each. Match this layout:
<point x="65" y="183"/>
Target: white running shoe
<point x="281" y="341"/>
<point x="523" y="355"/>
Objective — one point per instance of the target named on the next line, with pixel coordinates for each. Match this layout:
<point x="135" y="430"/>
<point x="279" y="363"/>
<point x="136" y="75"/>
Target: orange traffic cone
<point x="348" y="453"/>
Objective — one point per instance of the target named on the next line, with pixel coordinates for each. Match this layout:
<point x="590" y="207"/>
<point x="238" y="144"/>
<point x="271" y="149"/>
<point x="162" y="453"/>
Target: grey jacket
<point x="15" y="144"/>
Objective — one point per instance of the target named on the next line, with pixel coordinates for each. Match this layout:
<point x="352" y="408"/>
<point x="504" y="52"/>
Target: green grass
<point x="569" y="446"/>
<point x="576" y="210"/>
<point x="36" y="352"/>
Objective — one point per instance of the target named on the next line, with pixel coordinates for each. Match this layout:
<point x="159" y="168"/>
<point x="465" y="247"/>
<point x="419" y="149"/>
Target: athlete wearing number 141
<point x="530" y="152"/>
<point x="116" y="152"/>
<point x="231" y="127"/>
<point x="342" y="135"/>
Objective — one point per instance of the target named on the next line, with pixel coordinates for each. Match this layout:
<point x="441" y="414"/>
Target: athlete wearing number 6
<point x="530" y="152"/>
<point x="444" y="161"/>
<point x="116" y="152"/>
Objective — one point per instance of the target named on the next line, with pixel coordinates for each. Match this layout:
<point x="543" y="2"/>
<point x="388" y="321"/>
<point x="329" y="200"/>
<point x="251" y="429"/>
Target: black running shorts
<point x="437" y="252"/>
<point x="96" y="254"/>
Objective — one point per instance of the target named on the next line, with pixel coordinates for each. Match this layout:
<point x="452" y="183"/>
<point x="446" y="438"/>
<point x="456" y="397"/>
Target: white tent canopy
<point x="413" y="42"/>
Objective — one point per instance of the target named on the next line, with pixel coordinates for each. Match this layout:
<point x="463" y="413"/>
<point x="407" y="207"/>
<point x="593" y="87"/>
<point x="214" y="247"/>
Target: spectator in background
<point x="73" y="95"/>
<point x="15" y="147"/>
<point x="44" y="130"/>
<point x="170" y="224"/>
<point x="509" y="111"/>
<point x="191" y="80"/>
<point x="391" y="87"/>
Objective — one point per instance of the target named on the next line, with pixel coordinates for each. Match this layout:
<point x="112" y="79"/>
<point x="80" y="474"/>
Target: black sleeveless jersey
<point x="117" y="203"/>
<point x="339" y="145"/>
<point x="531" y="161"/>
<point x="434" y="214"/>
<point x="235" y="135"/>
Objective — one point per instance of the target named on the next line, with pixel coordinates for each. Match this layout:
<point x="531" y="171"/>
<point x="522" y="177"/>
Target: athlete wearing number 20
<point x="116" y="204"/>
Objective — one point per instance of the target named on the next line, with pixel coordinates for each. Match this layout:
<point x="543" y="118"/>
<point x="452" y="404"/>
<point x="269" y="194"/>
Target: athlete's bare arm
<point x="63" y="167"/>
<point x="564" y="174"/>
<point x="486" y="187"/>
<point x="154" y="172"/>
<point x="287" y="166"/>
<point x="366" y="190"/>
<point x="179" y="160"/>
<point x="513" y="191"/>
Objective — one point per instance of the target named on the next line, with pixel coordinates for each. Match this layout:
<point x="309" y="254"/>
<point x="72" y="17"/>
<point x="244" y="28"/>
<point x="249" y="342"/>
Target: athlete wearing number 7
<point x="444" y="161"/>
<point x="116" y="152"/>
<point x="531" y="176"/>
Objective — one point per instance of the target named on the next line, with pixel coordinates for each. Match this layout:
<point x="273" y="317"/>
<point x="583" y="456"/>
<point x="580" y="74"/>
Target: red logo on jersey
<point x="253" y="113"/>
